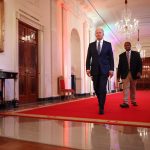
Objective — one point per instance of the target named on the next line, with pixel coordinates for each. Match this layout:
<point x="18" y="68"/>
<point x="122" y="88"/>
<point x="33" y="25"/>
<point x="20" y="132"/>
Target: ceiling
<point x="108" y="12"/>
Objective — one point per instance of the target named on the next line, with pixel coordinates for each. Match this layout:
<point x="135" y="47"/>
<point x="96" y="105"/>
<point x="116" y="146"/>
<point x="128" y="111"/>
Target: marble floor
<point x="60" y="135"/>
<point x="78" y="135"/>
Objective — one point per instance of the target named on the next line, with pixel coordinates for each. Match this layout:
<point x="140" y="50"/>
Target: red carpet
<point x="87" y="110"/>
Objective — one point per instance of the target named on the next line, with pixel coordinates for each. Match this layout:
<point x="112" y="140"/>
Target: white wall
<point x="30" y="12"/>
<point x="55" y="21"/>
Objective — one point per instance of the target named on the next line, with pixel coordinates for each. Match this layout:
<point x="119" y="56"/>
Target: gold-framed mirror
<point x="1" y="25"/>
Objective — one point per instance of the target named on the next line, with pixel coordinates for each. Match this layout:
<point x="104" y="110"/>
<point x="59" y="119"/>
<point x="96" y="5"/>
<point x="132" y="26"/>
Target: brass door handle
<point x="27" y="71"/>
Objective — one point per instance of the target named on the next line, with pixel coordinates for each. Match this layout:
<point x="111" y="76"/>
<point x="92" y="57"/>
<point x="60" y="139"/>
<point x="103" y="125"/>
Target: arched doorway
<point x="76" y="58"/>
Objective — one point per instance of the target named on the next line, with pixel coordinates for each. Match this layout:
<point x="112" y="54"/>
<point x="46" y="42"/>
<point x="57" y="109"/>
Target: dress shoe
<point x="101" y="112"/>
<point x="134" y="104"/>
<point x="124" y="105"/>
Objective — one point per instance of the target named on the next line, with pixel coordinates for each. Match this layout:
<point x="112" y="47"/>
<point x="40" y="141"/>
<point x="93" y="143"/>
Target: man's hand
<point x="88" y="72"/>
<point x="118" y="80"/>
<point x="138" y="75"/>
<point x="111" y="73"/>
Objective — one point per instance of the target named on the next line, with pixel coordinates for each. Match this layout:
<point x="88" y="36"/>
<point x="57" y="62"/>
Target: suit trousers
<point x="99" y="84"/>
<point x="129" y="85"/>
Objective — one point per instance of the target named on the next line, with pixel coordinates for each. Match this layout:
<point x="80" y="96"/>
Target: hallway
<point x="41" y="40"/>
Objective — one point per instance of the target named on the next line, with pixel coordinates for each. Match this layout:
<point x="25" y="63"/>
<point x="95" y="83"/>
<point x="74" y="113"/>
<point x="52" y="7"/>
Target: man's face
<point x="127" y="46"/>
<point x="99" y="34"/>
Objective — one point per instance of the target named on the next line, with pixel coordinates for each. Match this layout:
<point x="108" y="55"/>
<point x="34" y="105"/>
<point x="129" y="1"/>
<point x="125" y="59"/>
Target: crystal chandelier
<point x="138" y="45"/>
<point x="127" y="25"/>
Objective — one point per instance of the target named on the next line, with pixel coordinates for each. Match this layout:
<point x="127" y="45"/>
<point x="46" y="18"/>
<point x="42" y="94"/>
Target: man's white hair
<point x="99" y="28"/>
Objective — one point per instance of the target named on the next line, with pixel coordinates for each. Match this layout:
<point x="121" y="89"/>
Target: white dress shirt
<point x="101" y="43"/>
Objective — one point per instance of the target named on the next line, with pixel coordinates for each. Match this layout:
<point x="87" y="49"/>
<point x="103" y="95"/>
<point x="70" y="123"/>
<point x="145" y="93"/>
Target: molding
<point x="78" y="95"/>
<point x="34" y="22"/>
<point x="49" y="98"/>
<point x="29" y="19"/>
<point x="75" y="9"/>
<point x="28" y="15"/>
<point x="11" y="104"/>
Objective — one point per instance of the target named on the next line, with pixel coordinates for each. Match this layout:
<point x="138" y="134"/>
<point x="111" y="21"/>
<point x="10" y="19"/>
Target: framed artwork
<point x="1" y="25"/>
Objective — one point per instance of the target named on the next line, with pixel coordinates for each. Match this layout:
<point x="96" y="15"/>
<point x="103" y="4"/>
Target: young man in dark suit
<point x="99" y="66"/>
<point x="129" y="70"/>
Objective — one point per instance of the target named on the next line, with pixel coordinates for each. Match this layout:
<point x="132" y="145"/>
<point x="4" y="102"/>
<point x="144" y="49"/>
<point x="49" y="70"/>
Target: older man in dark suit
<point x="99" y="66"/>
<point x="129" y="70"/>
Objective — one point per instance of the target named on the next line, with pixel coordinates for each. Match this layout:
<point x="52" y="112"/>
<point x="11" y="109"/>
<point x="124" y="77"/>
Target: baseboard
<point x="9" y="104"/>
<point x="77" y="95"/>
<point x="49" y="98"/>
<point x="82" y="94"/>
<point x="113" y="91"/>
<point x="15" y="103"/>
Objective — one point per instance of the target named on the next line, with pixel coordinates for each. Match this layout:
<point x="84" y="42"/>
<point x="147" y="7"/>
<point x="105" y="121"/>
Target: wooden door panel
<point x="22" y="86"/>
<point x="22" y="72"/>
<point x="22" y="58"/>
<point x="28" y="63"/>
<point x="32" y="86"/>
<point x="144" y="82"/>
<point x="32" y="70"/>
<point x="32" y="59"/>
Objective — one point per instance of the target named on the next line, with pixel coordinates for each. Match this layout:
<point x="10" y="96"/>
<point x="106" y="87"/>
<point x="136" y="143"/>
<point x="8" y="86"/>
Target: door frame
<point x="27" y="19"/>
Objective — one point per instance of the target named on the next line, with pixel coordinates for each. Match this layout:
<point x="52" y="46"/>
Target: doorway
<point x="76" y="58"/>
<point x="28" y="63"/>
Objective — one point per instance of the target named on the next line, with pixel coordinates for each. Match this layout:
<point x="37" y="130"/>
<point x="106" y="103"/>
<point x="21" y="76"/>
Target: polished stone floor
<point x="78" y="135"/>
<point x="14" y="144"/>
<point x="64" y="135"/>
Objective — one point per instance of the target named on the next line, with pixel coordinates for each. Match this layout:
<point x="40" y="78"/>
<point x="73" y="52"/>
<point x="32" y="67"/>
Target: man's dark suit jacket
<point x="135" y="65"/>
<point x="102" y="63"/>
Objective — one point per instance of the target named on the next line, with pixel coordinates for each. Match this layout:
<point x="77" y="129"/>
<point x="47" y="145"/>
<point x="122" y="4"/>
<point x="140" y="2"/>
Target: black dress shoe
<point x="134" y="104"/>
<point x="124" y="105"/>
<point x="101" y="112"/>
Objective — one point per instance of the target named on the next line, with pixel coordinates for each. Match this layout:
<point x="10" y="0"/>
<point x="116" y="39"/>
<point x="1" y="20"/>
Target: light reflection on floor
<point x="76" y="134"/>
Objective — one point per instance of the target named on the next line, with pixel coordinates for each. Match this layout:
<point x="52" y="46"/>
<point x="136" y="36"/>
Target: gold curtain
<point x="1" y="25"/>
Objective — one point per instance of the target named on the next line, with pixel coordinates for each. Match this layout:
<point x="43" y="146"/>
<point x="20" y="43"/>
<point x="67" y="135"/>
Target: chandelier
<point x="138" y="45"/>
<point x="127" y="25"/>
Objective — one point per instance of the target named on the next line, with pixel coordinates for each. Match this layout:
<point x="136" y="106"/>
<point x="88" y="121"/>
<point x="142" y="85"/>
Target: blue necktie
<point x="99" y="48"/>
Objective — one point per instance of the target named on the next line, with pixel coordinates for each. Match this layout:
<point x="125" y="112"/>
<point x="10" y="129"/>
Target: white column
<point x="86" y="43"/>
<point x="56" y="46"/>
<point x="66" y="54"/>
<point x="41" y="65"/>
<point x="91" y="39"/>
